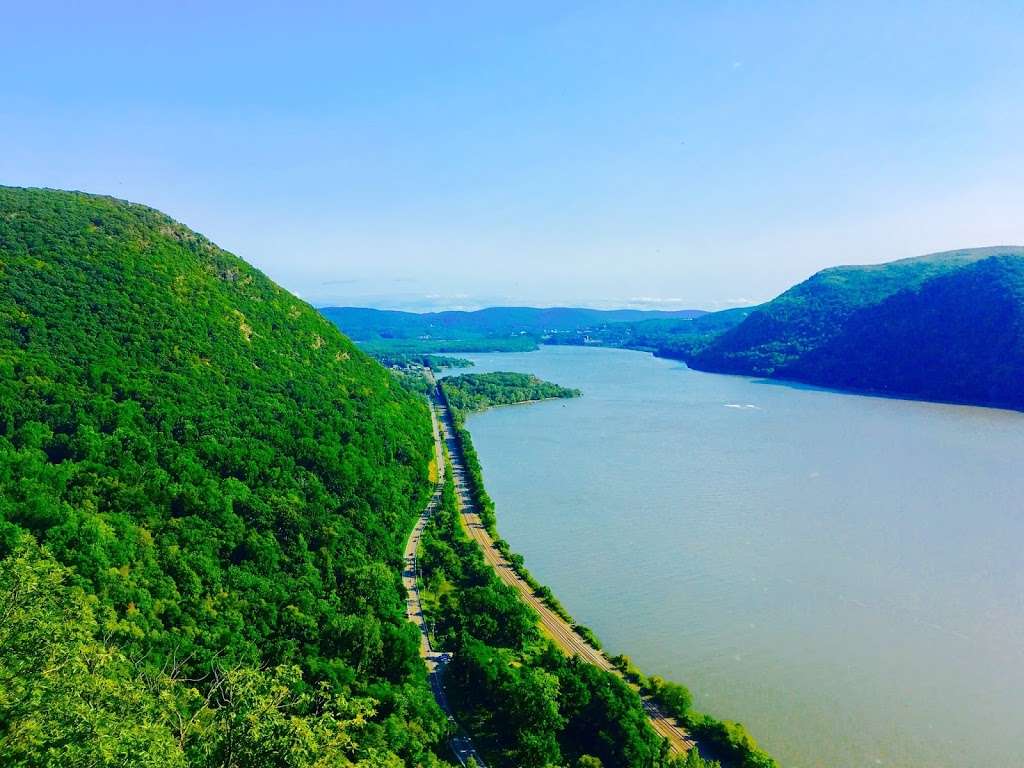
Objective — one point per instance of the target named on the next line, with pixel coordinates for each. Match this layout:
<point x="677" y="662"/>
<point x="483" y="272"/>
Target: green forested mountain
<point x="946" y="326"/>
<point x="204" y="488"/>
<point x="959" y="337"/>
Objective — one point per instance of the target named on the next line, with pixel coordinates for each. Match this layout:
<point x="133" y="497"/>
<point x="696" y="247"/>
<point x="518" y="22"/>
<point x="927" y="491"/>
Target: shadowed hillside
<point x="958" y="337"/>
<point x="945" y="326"/>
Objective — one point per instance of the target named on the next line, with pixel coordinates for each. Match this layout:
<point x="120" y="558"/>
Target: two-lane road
<point x="462" y="746"/>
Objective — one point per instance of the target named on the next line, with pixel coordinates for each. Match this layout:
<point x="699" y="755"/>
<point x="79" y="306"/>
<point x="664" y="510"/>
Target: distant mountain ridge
<point x="946" y="326"/>
<point x="363" y="324"/>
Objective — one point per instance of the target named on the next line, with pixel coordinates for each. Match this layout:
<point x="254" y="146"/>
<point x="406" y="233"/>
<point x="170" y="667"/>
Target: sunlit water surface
<point x="842" y="574"/>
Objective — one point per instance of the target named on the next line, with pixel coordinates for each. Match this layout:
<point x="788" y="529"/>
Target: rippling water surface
<point x="842" y="574"/>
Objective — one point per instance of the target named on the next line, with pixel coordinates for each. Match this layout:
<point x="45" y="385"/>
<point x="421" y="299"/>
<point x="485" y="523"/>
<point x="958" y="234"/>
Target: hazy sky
<point x="456" y="154"/>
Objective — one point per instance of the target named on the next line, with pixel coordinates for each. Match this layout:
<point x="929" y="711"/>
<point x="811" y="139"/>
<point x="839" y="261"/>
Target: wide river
<point x="842" y="574"/>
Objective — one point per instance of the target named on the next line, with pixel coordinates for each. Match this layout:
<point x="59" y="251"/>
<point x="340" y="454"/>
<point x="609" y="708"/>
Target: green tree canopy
<point x="226" y="480"/>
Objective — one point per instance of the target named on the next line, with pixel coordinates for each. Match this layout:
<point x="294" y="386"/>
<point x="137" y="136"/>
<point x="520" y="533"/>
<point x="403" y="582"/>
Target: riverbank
<point x="805" y="383"/>
<point x="667" y="705"/>
<point x="554" y="626"/>
<point x="526" y="704"/>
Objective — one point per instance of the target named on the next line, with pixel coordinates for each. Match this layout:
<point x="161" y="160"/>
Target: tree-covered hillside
<point x="944" y="326"/>
<point x="219" y="484"/>
<point x="807" y="314"/>
<point x="959" y="337"/>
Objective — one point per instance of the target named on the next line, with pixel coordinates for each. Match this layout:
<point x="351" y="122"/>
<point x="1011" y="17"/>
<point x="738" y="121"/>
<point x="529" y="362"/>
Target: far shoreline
<point x="772" y="380"/>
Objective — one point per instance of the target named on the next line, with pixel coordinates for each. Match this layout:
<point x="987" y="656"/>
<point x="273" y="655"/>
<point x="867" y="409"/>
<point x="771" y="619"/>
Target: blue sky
<point x="458" y="154"/>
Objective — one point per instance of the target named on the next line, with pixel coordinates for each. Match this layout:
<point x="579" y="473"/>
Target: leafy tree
<point x="675" y="698"/>
<point x="67" y="698"/>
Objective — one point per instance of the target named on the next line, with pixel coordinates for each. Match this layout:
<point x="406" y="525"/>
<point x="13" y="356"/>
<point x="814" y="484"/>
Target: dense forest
<point x="477" y="391"/>
<point x="958" y="337"/>
<point x="204" y="491"/>
<point x="948" y="326"/>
